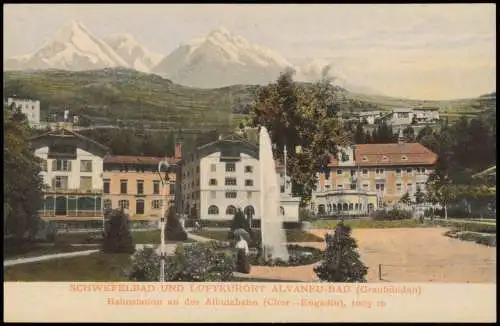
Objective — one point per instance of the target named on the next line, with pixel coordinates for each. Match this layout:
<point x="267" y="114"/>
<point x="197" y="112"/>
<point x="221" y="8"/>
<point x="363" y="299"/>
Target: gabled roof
<point x="65" y="133"/>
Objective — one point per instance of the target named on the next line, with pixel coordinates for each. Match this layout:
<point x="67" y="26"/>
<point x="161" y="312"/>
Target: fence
<point x="462" y="272"/>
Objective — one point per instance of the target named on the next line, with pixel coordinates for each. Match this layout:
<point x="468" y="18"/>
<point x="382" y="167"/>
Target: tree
<point x="440" y="189"/>
<point x="405" y="199"/>
<point x="240" y="222"/>
<point x="419" y="196"/>
<point x="341" y="261"/>
<point x="302" y="116"/>
<point x="409" y="134"/>
<point x="359" y="134"/>
<point x="173" y="227"/>
<point x="117" y="236"/>
<point x="23" y="185"/>
<point x="383" y="134"/>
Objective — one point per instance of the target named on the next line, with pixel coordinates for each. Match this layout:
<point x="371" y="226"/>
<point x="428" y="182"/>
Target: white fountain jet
<point x="271" y="221"/>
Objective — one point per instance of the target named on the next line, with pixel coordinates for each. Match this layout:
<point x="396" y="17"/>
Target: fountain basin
<point x="299" y="256"/>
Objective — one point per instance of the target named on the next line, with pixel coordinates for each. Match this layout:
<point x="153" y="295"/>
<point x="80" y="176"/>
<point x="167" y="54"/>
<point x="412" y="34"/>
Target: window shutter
<point x="54" y="165"/>
<point x="69" y="166"/>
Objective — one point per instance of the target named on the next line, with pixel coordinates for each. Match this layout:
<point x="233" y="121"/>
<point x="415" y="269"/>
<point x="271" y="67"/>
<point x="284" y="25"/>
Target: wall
<point x="30" y="108"/>
<point x="148" y="177"/>
<point x="74" y="174"/>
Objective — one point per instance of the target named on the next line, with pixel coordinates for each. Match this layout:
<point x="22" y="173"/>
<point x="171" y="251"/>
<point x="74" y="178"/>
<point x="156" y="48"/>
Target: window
<point x="353" y="173"/>
<point x="123" y="204"/>
<point x="249" y="210"/>
<point x="379" y="171"/>
<point x="340" y="186"/>
<point x="61" y="165"/>
<point x="172" y="188"/>
<point x="230" y="210"/>
<point x="105" y="184"/>
<point x="123" y="186"/>
<point x="398" y="188"/>
<point x="107" y="204"/>
<point x="140" y="187"/>
<point x="409" y="170"/>
<point x="231" y="194"/>
<point x="351" y="206"/>
<point x="380" y="187"/>
<point x="213" y="194"/>
<point x="156" y="187"/>
<point x="44" y="165"/>
<point x="60" y="182"/>
<point x="86" y="183"/>
<point x="385" y="158"/>
<point x="230" y="167"/>
<point x="365" y="186"/>
<point x="365" y="158"/>
<point x="356" y="207"/>
<point x="249" y="183"/>
<point x="326" y="187"/>
<point x="139" y="206"/>
<point x="230" y="182"/>
<point x="282" y="210"/>
<point x="212" y="182"/>
<point x="398" y="171"/>
<point x="213" y="168"/>
<point x="339" y="172"/>
<point x="155" y="204"/>
<point x="249" y="194"/>
<point x="248" y="169"/>
<point x="353" y="186"/>
<point x="86" y="166"/>
<point x="197" y="169"/>
<point x="404" y="157"/>
<point x="213" y="210"/>
<point x="282" y="189"/>
<point x="365" y="171"/>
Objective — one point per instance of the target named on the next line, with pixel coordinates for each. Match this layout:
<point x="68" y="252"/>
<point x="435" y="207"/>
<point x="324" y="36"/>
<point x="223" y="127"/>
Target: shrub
<point x="199" y="262"/>
<point x="240" y="222"/>
<point x="341" y="261"/>
<point x="296" y="259"/>
<point x="391" y="215"/>
<point x="173" y="227"/>
<point x="306" y="215"/>
<point x="117" y="238"/>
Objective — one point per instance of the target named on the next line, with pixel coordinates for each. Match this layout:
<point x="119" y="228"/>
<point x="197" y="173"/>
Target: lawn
<point x="98" y="267"/>
<point x="368" y="224"/>
<point x="139" y="237"/>
<point x="40" y="250"/>
<point x="292" y="235"/>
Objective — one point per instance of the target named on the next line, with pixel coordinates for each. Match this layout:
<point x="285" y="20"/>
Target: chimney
<point x="401" y="138"/>
<point x="178" y="151"/>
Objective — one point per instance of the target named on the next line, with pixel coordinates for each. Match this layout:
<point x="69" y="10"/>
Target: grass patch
<point x="139" y="237"/>
<point x="369" y="224"/>
<point x="470" y="226"/>
<point x="479" y="238"/>
<point x="98" y="267"/>
<point x="292" y="235"/>
<point x="36" y="250"/>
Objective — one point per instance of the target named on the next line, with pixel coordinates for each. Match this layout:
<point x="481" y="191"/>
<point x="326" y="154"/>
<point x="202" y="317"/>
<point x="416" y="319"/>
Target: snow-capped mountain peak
<point x="135" y="55"/>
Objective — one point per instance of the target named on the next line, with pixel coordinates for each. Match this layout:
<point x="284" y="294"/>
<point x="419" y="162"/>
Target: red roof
<point x="394" y="154"/>
<point x="137" y="160"/>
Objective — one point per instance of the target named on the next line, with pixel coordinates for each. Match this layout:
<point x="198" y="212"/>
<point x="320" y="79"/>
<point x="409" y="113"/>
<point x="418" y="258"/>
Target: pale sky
<point x="432" y="51"/>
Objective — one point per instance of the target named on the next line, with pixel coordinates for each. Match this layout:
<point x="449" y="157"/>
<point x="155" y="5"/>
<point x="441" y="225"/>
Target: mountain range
<point x="220" y="59"/>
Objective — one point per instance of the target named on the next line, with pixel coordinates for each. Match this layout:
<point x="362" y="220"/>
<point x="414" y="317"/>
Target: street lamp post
<point x="165" y="181"/>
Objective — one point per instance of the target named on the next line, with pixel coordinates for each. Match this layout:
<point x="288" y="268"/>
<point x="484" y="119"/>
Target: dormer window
<point x="385" y="158"/>
<point x="365" y="158"/>
<point x="404" y="157"/>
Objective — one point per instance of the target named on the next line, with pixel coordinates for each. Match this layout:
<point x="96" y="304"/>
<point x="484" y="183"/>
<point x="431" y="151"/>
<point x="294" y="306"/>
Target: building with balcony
<point x="133" y="183"/>
<point x="72" y="170"/>
<point x="371" y="176"/>
<point x="426" y="114"/>
<point x="30" y="108"/>
<point x="219" y="177"/>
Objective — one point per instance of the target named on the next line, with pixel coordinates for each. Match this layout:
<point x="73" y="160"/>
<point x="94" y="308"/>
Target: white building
<point x="31" y="108"/>
<point x="426" y="114"/>
<point x="222" y="176"/>
<point x="72" y="168"/>
<point x="369" y="116"/>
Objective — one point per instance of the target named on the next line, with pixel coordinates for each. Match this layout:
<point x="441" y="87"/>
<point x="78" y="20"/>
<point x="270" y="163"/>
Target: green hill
<point x="124" y="94"/>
